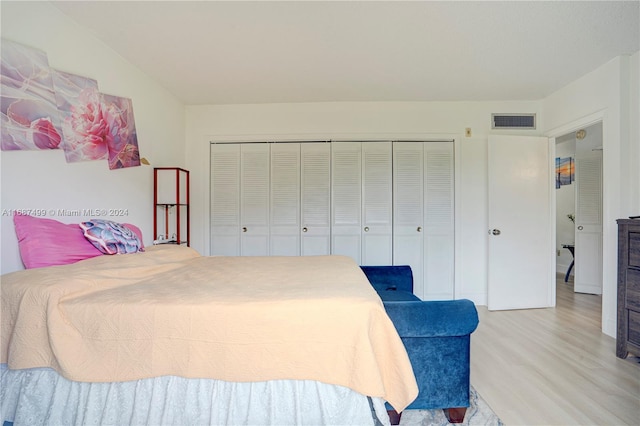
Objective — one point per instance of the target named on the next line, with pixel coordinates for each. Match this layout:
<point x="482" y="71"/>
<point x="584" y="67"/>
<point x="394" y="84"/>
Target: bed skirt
<point x="40" y="396"/>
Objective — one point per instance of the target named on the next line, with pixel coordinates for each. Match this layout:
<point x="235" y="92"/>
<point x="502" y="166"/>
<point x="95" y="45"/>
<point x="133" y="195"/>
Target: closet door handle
<point x="366" y="229"/>
<point x="419" y="229"/>
<point x="244" y="229"/>
<point x="304" y="229"/>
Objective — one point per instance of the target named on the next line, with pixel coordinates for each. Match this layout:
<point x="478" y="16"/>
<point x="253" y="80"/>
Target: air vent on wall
<point x="513" y="121"/>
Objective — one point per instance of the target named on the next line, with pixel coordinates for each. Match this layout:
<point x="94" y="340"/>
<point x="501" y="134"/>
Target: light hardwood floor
<point x="554" y="366"/>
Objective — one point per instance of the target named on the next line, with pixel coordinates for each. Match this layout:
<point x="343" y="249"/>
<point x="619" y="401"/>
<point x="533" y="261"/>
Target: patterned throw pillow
<point x="111" y="237"/>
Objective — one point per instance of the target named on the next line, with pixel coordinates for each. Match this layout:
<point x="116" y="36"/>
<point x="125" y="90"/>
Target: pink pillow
<point x="47" y="242"/>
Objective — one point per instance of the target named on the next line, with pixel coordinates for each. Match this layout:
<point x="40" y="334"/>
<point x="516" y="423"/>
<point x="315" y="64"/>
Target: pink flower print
<point x="86" y="129"/>
<point x="45" y="135"/>
<point x="121" y="137"/>
<point x="29" y="128"/>
<point x="118" y="133"/>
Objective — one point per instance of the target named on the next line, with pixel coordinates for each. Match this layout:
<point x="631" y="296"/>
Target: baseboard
<point x="590" y="289"/>
<point x="476" y="298"/>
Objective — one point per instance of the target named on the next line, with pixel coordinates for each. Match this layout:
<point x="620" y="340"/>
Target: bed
<point x="167" y="336"/>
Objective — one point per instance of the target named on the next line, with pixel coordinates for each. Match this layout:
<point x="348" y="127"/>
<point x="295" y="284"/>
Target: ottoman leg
<point x="455" y="415"/>
<point x="394" y="417"/>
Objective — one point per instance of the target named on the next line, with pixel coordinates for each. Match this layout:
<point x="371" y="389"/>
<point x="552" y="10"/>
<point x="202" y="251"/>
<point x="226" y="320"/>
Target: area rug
<point x="478" y="414"/>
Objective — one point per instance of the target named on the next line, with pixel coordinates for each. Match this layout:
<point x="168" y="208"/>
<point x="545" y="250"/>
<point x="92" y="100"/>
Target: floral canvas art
<point x="121" y="137"/>
<point x="30" y="117"/>
<point x="43" y="108"/>
<point x="83" y="127"/>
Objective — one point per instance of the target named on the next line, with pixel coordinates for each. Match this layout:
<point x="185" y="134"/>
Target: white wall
<point x="634" y="119"/>
<point x="605" y="94"/>
<point x="42" y="179"/>
<point x="365" y="121"/>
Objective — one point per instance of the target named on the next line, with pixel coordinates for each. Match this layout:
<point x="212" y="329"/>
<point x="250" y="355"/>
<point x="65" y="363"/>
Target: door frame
<point x="573" y="126"/>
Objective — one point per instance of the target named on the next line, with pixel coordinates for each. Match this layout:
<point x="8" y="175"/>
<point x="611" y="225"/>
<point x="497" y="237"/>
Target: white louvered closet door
<point x="438" y="221"/>
<point x="225" y="200"/>
<point x="380" y="203"/>
<point x="408" y="209"/>
<point x="423" y="234"/>
<point x="285" y="200"/>
<point x="346" y="204"/>
<point x="588" y="222"/>
<point x="254" y="199"/>
<point x="315" y="194"/>
<point x="377" y="203"/>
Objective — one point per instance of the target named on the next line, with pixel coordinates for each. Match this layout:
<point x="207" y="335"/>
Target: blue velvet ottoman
<point x="436" y="335"/>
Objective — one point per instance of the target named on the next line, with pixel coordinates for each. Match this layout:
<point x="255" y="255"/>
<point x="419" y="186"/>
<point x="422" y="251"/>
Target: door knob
<point x="419" y="228"/>
<point x="244" y="229"/>
<point x="366" y="229"/>
<point x="580" y="228"/>
<point x="304" y="229"/>
<point x="495" y="231"/>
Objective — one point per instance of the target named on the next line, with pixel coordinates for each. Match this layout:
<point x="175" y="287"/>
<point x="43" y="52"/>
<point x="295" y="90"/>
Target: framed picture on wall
<point x="565" y="171"/>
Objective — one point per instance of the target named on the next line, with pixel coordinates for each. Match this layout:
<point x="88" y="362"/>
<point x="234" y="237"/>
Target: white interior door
<point x="521" y="252"/>
<point x="588" y="222"/>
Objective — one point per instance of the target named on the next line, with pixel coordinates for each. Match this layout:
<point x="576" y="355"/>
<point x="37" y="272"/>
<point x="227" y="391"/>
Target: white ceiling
<point x="215" y="52"/>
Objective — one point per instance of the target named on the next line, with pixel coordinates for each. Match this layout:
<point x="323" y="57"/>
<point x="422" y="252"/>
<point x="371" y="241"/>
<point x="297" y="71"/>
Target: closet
<point x="423" y="215"/>
<point x="379" y="202"/>
<point x="361" y="220"/>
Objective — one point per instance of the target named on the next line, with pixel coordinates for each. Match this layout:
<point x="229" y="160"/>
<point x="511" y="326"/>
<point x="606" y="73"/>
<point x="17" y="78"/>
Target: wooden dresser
<point x="628" y="337"/>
